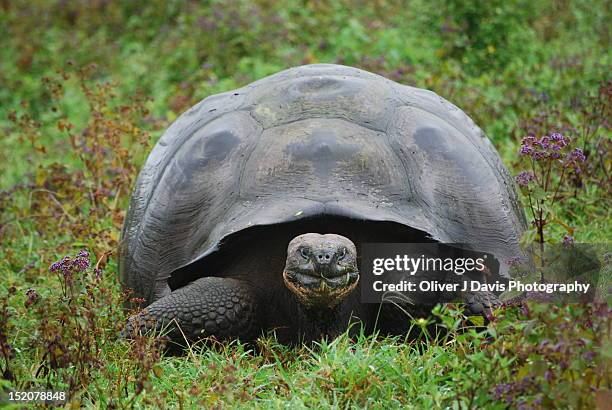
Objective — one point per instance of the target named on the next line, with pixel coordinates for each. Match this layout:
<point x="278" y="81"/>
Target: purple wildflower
<point x="524" y="178"/>
<point x="556" y="137"/>
<point x="559" y="346"/>
<point x="68" y="266"/>
<point x="527" y="145"/>
<point x="528" y="140"/>
<point x="501" y="390"/>
<point x="549" y="375"/>
<point x="32" y="297"/>
<point x="544" y="142"/>
<point x="589" y="355"/>
<point x="574" y="159"/>
<point x="568" y="240"/>
<point x="601" y="310"/>
<point x="81" y="264"/>
<point x="559" y="141"/>
<point x="514" y="261"/>
<point x="577" y="155"/>
<point x="547" y="147"/>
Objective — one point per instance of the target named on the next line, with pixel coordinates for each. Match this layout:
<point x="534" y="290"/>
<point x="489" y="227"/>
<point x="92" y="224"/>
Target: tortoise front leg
<point x="211" y="307"/>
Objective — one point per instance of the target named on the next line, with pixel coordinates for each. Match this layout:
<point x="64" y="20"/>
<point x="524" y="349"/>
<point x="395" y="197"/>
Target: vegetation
<point x="87" y="87"/>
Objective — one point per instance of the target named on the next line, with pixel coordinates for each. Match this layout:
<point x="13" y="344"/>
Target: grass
<point x="86" y="88"/>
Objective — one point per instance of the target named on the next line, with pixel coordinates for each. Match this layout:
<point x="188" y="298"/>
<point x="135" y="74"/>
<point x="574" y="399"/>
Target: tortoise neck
<point x="317" y="323"/>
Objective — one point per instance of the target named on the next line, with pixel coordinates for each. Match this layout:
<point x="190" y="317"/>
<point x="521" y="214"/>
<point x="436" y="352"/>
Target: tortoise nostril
<point x="323" y="257"/>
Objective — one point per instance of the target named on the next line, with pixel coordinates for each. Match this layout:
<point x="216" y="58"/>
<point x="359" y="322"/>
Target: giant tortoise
<point x="251" y="210"/>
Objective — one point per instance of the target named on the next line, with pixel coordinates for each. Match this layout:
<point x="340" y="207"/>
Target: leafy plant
<point x="69" y="331"/>
<point x="550" y="161"/>
<point x="564" y="156"/>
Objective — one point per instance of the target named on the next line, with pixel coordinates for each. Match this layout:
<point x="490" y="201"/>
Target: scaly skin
<point x="220" y="308"/>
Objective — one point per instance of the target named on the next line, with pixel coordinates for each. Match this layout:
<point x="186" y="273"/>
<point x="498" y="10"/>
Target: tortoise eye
<point x="342" y="254"/>
<point x="304" y="252"/>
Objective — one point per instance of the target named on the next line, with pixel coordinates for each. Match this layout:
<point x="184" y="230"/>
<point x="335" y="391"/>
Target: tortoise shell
<point x="313" y="140"/>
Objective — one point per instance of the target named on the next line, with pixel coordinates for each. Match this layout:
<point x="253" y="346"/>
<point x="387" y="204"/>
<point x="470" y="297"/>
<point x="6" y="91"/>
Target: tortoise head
<point x="321" y="270"/>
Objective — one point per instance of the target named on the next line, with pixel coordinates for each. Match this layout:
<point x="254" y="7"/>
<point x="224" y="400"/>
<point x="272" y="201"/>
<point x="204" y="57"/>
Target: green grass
<point x="73" y="137"/>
